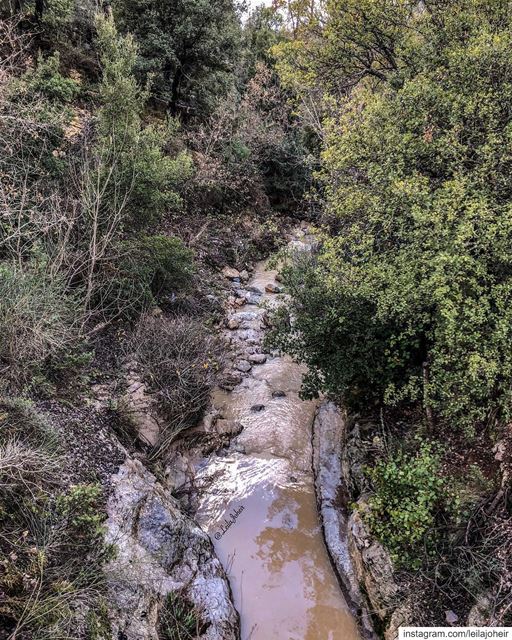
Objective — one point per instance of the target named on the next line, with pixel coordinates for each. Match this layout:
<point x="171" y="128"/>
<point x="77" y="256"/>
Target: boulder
<point x="160" y="551"/>
<point x="272" y="288"/>
<point x="230" y="273"/>
<point x="256" y="290"/>
<point x="252" y="298"/>
<point x="230" y="380"/>
<point x="244" y="366"/>
<point x="246" y="316"/>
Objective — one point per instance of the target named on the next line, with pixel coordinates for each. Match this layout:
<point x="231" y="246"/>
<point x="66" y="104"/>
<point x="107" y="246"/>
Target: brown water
<point x="273" y="551"/>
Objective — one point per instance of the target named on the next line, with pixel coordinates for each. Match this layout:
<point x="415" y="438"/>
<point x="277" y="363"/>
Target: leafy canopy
<point x="409" y="299"/>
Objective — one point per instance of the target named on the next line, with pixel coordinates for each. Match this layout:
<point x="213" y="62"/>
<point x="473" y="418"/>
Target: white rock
<point x="244" y="366"/>
<point x="451" y="617"/>
<point x="258" y="358"/>
<point x="159" y="551"/>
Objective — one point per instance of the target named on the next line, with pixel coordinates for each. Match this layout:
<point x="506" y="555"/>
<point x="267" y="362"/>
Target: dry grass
<point x="180" y="361"/>
<point x="51" y="548"/>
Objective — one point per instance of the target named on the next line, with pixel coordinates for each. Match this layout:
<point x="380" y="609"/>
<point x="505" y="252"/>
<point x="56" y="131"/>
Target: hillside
<point x="194" y="194"/>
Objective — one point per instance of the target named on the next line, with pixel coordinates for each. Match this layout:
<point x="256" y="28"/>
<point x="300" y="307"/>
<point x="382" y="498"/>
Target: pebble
<point x="253" y="299"/>
<point x="233" y="323"/>
<point x="256" y="290"/>
<point x="244" y="366"/>
<point x="451" y="616"/>
<point x="230" y="273"/>
<point x="258" y="358"/>
<point x="257" y="407"/>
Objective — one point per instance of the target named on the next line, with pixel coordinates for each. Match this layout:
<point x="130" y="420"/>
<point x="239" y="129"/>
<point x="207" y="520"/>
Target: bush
<point x="140" y="177"/>
<point x="51" y="547"/>
<point x="148" y="269"/>
<point x="410" y="496"/>
<point x="47" y="80"/>
<point x="156" y="177"/>
<point x="180" y="361"/>
<point x="411" y="296"/>
<point x="38" y="320"/>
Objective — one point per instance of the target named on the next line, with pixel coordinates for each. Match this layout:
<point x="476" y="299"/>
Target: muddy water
<point x="259" y="503"/>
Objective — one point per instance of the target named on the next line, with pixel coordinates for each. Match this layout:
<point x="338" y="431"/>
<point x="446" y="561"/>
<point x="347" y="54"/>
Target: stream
<point x="258" y="503"/>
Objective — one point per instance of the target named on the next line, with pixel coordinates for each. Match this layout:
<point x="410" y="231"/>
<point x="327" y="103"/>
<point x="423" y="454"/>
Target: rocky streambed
<point x="256" y="497"/>
<point x="252" y="560"/>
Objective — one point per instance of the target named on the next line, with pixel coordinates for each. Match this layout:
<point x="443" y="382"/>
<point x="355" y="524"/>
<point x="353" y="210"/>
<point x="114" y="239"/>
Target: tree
<point x="409" y="300"/>
<point x="188" y="47"/>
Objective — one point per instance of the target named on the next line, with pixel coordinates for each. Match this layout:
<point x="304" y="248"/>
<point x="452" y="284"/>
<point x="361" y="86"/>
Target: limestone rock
<point x="230" y="380"/>
<point x="258" y="358"/>
<point x="253" y="289"/>
<point x="500" y="450"/>
<point x="159" y="551"/>
<point x="481" y="611"/>
<point x="228" y="427"/>
<point x="253" y="299"/>
<point x="245" y="316"/>
<point x="328" y="442"/>
<point x="402" y="616"/>
<point x="233" y="323"/>
<point x="379" y="580"/>
<point x="138" y="407"/>
<point x="244" y="366"/>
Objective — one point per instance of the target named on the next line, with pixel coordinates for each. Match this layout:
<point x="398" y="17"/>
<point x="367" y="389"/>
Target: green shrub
<point x="409" y="498"/>
<point x="148" y="269"/>
<point x="80" y="506"/>
<point x="178" y="620"/>
<point x="38" y="320"/>
<point x="139" y="176"/>
<point x="51" y="547"/>
<point x="188" y="48"/>
<point x="156" y="176"/>
<point x="47" y="80"/>
<point x="19" y="418"/>
<point x="409" y="300"/>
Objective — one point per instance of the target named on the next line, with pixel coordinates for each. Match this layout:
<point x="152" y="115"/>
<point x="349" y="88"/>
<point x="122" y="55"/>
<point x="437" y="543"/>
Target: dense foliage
<point x="188" y="46"/>
<point x="409" y="301"/>
<point x="133" y="136"/>
<point x="410" y="497"/>
<point x="147" y="144"/>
